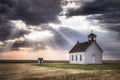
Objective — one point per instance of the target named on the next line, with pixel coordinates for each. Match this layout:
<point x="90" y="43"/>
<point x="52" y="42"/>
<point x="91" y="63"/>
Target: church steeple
<point x="91" y="37"/>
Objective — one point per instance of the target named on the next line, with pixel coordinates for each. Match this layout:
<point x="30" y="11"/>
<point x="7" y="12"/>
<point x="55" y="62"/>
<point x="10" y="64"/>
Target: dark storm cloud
<point x="5" y="6"/>
<point x="33" y="12"/>
<point x="7" y="31"/>
<point x="96" y="7"/>
<point x="106" y="11"/>
<point x="111" y="19"/>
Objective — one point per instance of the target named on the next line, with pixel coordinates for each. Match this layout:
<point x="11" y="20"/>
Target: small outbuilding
<point x="86" y="52"/>
<point x="40" y="60"/>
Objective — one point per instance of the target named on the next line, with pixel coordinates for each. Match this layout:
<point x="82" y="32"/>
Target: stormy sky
<point x="51" y="28"/>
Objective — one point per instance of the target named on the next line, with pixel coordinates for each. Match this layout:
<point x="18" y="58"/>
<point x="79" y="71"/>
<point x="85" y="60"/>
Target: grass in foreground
<point x="100" y="75"/>
<point x="29" y="71"/>
<point x="105" y="66"/>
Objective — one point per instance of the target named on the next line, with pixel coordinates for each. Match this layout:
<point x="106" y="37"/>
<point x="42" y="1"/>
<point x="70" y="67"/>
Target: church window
<point x="76" y="57"/>
<point x="80" y="57"/>
<point x="72" y="57"/>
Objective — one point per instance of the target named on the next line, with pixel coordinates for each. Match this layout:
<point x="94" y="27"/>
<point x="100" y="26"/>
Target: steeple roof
<point x="92" y="35"/>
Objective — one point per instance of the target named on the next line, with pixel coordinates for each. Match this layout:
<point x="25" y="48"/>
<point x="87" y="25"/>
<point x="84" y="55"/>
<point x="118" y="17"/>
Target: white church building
<point x="86" y="52"/>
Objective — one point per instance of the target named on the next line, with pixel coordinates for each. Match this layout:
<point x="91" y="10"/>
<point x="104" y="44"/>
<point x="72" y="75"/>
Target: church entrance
<point x="93" y="58"/>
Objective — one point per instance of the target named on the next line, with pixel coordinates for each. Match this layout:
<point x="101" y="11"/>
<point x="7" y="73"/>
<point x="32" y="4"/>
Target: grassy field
<point x="104" y="66"/>
<point x="29" y="71"/>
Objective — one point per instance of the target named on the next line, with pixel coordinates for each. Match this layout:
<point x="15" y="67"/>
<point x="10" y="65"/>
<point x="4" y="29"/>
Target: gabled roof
<point x="80" y="47"/>
<point x="99" y="47"/>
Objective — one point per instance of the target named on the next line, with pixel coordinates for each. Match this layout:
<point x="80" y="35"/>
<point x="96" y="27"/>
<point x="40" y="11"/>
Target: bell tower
<point x="91" y="37"/>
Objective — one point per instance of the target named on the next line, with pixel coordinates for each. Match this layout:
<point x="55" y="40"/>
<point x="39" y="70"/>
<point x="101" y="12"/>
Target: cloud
<point x="20" y="20"/>
<point x="8" y="31"/>
<point x="107" y="12"/>
<point x="58" y="38"/>
<point x="40" y="37"/>
<point x="5" y="29"/>
<point x="32" y="12"/>
<point x="17" y="17"/>
<point x="96" y="7"/>
<point x="110" y="21"/>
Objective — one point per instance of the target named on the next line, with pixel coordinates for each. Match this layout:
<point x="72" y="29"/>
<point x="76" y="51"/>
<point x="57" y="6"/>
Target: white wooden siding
<point x="93" y="51"/>
<point x="77" y="55"/>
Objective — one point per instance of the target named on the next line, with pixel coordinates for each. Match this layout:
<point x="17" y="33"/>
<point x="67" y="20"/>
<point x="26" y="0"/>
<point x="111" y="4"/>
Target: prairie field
<point x="58" y="71"/>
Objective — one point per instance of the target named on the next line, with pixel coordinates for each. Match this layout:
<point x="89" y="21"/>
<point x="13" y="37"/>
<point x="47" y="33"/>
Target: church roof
<point x="80" y="47"/>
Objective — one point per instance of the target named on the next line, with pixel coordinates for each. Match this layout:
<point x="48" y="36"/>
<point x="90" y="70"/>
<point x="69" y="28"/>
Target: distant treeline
<point x="33" y="61"/>
<point x="50" y="61"/>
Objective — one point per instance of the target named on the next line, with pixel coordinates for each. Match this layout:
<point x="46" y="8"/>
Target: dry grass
<point x="30" y="72"/>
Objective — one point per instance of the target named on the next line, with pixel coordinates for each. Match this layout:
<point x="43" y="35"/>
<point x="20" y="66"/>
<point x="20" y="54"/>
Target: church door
<point x="93" y="58"/>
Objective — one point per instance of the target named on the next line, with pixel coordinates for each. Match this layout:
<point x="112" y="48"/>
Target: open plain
<point x="32" y="71"/>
